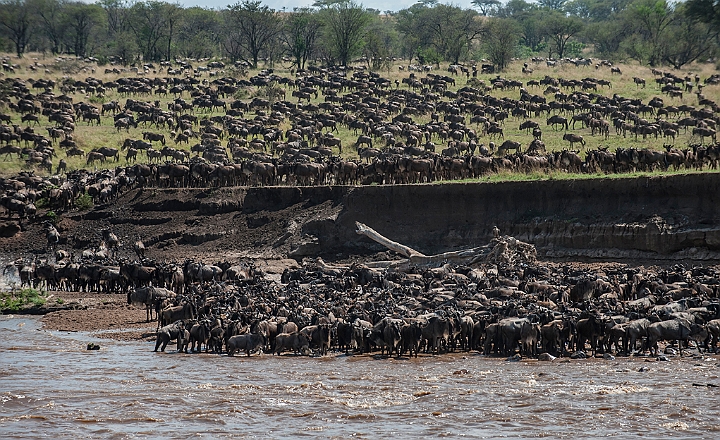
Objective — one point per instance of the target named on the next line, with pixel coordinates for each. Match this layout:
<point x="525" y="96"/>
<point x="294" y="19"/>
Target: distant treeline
<point x="333" y="32"/>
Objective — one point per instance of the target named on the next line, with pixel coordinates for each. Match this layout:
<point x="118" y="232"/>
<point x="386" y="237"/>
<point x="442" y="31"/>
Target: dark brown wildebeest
<point x="573" y="139"/>
<point x="94" y="156"/>
<point x="150" y="297"/>
<point x="509" y="145"/>
<point x="297" y="342"/>
<point x="529" y="125"/>
<point x="247" y="342"/>
<point x="171" y="314"/>
<point x="170" y="332"/>
<point x="558" y="120"/>
<point x="154" y="137"/>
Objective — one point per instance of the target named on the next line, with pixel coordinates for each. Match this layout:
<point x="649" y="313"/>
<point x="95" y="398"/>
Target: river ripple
<point x="51" y="386"/>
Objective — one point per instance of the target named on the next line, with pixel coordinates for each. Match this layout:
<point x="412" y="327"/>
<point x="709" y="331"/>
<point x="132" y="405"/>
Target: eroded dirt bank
<point x="664" y="218"/>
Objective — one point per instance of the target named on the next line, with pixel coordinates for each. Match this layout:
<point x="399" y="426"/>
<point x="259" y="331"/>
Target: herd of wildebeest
<point x="527" y="307"/>
<point x="463" y="138"/>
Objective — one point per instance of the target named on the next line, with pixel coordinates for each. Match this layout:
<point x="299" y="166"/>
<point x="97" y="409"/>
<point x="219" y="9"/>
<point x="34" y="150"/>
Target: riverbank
<point x="669" y="219"/>
<point x="105" y="316"/>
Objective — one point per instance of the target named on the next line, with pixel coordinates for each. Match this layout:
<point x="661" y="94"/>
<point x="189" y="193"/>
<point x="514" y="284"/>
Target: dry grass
<point x="89" y="136"/>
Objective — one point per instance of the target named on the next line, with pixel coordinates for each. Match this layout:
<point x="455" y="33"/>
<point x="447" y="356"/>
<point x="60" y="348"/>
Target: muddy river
<point x="51" y="386"/>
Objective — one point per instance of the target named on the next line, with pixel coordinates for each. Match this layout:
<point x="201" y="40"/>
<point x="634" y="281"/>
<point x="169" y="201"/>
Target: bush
<point x="474" y="82"/>
<point x="13" y="301"/>
<point x="52" y="217"/>
<point x="241" y="93"/>
<point x="84" y="202"/>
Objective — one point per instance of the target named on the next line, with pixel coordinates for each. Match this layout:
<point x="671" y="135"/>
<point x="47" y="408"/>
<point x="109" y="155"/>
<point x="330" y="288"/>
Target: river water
<point x="52" y="387"/>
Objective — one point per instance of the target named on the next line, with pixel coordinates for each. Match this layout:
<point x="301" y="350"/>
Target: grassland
<point x="93" y="136"/>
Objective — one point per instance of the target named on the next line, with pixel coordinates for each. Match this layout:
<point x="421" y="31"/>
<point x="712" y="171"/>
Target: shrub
<point x="52" y="217"/>
<point x="84" y="202"/>
<point x="241" y="93"/>
<point x="13" y="301"/>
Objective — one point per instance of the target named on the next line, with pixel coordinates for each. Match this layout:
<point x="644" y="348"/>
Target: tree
<point x="415" y="36"/>
<point x="344" y="26"/>
<point x="198" y="33"/>
<point x="16" y="22"/>
<point x="689" y="39"/>
<point x="51" y="16"/>
<point x="608" y="36"/>
<point x="173" y="15"/>
<point x="117" y="14"/>
<point x="553" y="5"/>
<point x="516" y="9"/>
<point x="152" y="22"/>
<point x="250" y="28"/>
<point x="446" y="30"/>
<point x="80" y="19"/>
<point x="380" y="39"/>
<point x="454" y="29"/>
<point x="558" y="29"/>
<point x="486" y="7"/>
<point x="533" y="34"/>
<point x="651" y="18"/>
<point x="500" y="41"/>
<point x="300" y="33"/>
<point x="707" y="11"/>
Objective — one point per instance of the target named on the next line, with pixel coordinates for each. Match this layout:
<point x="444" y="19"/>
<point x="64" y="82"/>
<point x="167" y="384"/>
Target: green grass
<point x="14" y="301"/>
<point x="509" y="176"/>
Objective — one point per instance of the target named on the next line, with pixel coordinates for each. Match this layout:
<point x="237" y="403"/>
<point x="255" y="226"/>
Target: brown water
<point x="51" y="386"/>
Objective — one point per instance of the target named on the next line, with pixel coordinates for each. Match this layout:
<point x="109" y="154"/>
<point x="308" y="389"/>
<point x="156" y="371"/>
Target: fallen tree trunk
<point x="501" y="249"/>
<point x="372" y="234"/>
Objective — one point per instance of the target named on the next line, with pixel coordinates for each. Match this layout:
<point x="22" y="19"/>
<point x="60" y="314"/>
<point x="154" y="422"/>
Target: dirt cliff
<point x="654" y="218"/>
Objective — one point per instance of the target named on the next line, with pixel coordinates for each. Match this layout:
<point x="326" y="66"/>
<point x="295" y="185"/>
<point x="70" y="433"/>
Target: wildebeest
<point x="150" y="297"/>
<point x="677" y="329"/>
<point x="509" y="145"/>
<point x="558" y="120"/>
<point x="170" y="332"/>
<point x="153" y="137"/>
<point x="319" y="337"/>
<point x="248" y="342"/>
<point x="171" y="314"/>
<point x="199" y="335"/>
<point x="436" y="331"/>
<point x="297" y="342"/>
<point x="573" y="139"/>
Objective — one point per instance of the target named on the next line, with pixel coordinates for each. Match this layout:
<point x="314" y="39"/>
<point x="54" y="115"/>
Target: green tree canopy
<point x="343" y="30"/>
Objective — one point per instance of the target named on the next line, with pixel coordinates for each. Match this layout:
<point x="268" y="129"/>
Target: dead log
<point x="372" y="234"/>
<point x="501" y="249"/>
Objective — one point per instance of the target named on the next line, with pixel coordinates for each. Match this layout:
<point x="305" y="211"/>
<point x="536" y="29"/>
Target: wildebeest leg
<point x="162" y="338"/>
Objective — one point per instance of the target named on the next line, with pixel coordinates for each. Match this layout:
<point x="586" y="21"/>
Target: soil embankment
<point x="649" y="218"/>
